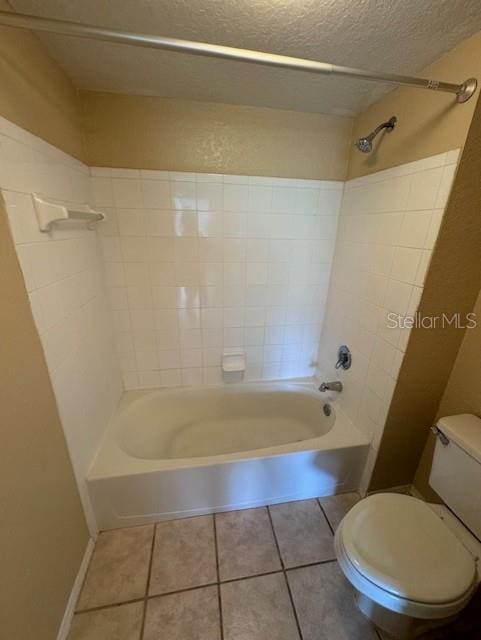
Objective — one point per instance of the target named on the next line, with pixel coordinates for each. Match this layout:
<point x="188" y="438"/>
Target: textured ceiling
<point x="394" y="35"/>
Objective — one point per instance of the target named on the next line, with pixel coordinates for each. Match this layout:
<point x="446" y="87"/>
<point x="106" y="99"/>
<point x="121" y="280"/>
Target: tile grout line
<point x="112" y="605"/>
<point x="176" y="592"/>
<point x="318" y="500"/>
<point x="311" y="564"/>
<point x="219" y="595"/>
<point x="147" y="585"/>
<point x="285" y="574"/>
<point x="283" y="569"/>
<point x="202" y="586"/>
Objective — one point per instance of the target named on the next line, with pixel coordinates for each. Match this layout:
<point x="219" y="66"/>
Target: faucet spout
<point x="331" y="386"/>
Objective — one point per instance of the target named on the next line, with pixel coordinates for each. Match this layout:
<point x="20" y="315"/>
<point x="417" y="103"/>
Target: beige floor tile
<point x="245" y="544"/>
<point x="336" y="507"/>
<point x="325" y="605"/>
<point x="258" y="609"/>
<point x="190" y="615"/>
<point x="302" y="532"/>
<point x="122" y="622"/>
<point x="184" y="555"/>
<point x="119" y="567"/>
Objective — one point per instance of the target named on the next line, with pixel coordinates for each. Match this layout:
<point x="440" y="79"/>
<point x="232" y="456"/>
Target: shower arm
<point x="462" y="91"/>
<point x="390" y="124"/>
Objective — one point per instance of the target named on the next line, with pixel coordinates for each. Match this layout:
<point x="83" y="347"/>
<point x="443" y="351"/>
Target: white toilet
<point x="414" y="565"/>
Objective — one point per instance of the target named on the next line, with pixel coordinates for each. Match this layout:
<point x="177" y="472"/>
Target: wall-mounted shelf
<point x="49" y="213"/>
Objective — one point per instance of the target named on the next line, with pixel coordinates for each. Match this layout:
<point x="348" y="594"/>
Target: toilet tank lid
<point x="465" y="430"/>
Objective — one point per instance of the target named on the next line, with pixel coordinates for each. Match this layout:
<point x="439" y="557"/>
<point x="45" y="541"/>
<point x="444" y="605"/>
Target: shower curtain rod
<point x="462" y="91"/>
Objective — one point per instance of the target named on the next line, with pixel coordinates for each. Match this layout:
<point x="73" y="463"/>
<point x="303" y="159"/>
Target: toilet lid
<point x="402" y="546"/>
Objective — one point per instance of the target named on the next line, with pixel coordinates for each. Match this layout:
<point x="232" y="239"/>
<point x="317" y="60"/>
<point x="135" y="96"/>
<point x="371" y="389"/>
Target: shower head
<point x="365" y="144"/>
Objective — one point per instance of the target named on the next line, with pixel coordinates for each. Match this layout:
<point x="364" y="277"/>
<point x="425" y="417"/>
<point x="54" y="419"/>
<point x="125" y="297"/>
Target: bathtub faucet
<point x="331" y="386"/>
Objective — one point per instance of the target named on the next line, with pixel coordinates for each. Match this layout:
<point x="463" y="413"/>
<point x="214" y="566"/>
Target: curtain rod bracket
<point x="468" y="88"/>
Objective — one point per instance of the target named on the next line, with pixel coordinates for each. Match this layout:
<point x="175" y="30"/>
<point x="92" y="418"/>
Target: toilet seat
<point x="397" y="551"/>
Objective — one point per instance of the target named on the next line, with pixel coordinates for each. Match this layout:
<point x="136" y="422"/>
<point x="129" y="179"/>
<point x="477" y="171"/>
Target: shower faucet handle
<point x="331" y="386"/>
<point x="344" y="357"/>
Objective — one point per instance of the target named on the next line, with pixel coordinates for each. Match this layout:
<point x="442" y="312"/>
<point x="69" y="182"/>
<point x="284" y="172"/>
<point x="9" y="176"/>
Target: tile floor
<point x="256" y="574"/>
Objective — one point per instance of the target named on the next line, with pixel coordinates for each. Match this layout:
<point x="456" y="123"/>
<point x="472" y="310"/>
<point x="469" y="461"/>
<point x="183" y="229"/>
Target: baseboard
<point x="417" y="494"/>
<point x="74" y="594"/>
<point x="407" y="489"/>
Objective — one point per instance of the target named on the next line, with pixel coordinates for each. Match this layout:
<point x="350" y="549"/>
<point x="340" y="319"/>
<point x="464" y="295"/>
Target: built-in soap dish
<point x="50" y="213"/>
<point x="233" y="365"/>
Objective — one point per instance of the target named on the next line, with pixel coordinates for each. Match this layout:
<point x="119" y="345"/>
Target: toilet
<point x="414" y="565"/>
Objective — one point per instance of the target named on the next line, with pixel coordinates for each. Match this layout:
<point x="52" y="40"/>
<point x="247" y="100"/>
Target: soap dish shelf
<point x="50" y="213"/>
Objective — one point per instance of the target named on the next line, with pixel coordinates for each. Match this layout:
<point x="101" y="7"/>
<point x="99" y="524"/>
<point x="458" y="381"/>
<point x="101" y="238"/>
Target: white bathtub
<point x="175" y="453"/>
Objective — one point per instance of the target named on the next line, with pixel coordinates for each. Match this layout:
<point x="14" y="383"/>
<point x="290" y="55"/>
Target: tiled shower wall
<point x="198" y="264"/>
<point x="388" y="225"/>
<point x="64" y="277"/>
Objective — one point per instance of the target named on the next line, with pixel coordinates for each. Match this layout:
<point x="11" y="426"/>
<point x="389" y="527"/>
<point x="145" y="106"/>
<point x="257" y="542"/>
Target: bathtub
<point x="173" y="453"/>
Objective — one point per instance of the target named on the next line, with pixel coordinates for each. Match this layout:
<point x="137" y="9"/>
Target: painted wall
<point x="461" y="395"/>
<point x="64" y="278"/>
<point x="43" y="534"/>
<point x="429" y="122"/>
<point x="388" y="226"/>
<point x="463" y="391"/>
<point x="36" y="94"/>
<point x="201" y="263"/>
<point x="180" y="135"/>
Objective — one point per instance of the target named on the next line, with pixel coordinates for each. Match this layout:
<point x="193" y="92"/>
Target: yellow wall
<point x="35" y="93"/>
<point x="182" y="135"/>
<point x="428" y="122"/>
<point x="43" y="534"/>
<point x="463" y="391"/>
<point x="461" y="395"/>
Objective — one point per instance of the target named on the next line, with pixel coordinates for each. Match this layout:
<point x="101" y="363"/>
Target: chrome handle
<point x="439" y="434"/>
<point x="344" y="357"/>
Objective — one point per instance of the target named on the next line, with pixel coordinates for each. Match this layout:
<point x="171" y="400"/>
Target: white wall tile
<point x="405" y="264"/>
<point x="387" y="228"/>
<point x="414" y="229"/>
<point x="127" y="193"/>
<point x="264" y="252"/>
<point x="156" y="194"/>
<point x="183" y="195"/>
<point x="424" y="189"/>
<point x="210" y="197"/>
<point x="66" y="280"/>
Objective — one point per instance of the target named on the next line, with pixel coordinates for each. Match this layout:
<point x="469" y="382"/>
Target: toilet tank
<point x="456" y="469"/>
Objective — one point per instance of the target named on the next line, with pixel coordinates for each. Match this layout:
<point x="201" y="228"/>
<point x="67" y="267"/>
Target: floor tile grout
<point x="218" y="581"/>
<point x="203" y="586"/>
<point x="147" y="585"/>
<point x="177" y="591"/>
<point x="318" y="500"/>
<point x="294" y="611"/>
<point x="112" y="605"/>
<point x="255" y="575"/>
<point x="311" y="564"/>
<point x="219" y="595"/>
